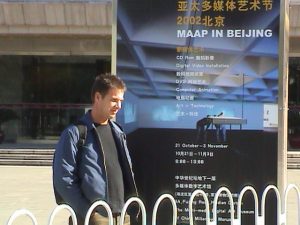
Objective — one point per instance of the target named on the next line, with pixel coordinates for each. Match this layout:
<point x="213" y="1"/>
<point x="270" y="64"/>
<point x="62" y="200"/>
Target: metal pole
<point x="283" y="96"/>
<point x="114" y="12"/>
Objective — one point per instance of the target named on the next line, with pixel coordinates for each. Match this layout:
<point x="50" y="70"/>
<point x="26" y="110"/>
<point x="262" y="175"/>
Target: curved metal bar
<point x="263" y="203"/>
<point x="93" y="206"/>
<point x="128" y="202"/>
<point x="281" y="215"/>
<point x="157" y="203"/>
<point x="239" y="206"/>
<point x="194" y="194"/>
<point x="21" y="212"/>
<point x="61" y="207"/>
<point x="284" y="207"/>
<point x="216" y="203"/>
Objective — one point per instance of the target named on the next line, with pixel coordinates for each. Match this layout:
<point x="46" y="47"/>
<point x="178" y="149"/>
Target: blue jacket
<point x="80" y="177"/>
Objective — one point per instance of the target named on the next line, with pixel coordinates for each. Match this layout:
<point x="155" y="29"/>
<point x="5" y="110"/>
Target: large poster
<point x="201" y="106"/>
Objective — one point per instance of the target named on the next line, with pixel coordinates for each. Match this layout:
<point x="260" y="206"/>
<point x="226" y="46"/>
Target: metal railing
<point x="259" y="217"/>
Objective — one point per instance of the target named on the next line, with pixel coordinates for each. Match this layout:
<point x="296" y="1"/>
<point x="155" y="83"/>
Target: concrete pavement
<point x="31" y="188"/>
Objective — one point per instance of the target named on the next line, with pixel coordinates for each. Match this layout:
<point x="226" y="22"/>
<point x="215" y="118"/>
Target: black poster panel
<point x="201" y="107"/>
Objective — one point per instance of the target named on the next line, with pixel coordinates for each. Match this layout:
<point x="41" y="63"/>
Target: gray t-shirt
<point x="113" y="168"/>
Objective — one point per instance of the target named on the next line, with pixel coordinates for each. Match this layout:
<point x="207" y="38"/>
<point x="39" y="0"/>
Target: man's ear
<point x="98" y="96"/>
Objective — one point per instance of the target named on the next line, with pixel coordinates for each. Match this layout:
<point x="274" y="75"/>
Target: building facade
<point x="50" y="52"/>
<point x="294" y="77"/>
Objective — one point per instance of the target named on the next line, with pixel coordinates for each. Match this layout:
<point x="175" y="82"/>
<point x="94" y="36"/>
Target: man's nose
<point x="119" y="104"/>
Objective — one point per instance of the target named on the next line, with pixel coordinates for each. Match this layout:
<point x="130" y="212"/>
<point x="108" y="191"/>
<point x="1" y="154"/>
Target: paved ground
<point x="31" y="188"/>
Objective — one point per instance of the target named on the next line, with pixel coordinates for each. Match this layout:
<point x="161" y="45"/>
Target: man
<point x="101" y="169"/>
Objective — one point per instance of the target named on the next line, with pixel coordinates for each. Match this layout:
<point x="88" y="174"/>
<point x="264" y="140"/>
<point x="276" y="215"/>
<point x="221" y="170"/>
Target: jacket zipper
<point x="121" y="137"/>
<point x="105" y="168"/>
<point x="123" y="141"/>
<point x="135" y="187"/>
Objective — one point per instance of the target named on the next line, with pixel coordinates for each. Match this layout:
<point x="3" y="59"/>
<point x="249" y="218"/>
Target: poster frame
<point x="283" y="57"/>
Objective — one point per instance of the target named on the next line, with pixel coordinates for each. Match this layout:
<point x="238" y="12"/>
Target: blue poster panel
<point x="201" y="107"/>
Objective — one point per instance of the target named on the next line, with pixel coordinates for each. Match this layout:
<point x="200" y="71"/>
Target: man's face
<point x="110" y="104"/>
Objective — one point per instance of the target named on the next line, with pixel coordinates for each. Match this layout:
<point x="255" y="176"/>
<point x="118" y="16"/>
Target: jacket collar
<point x="88" y="121"/>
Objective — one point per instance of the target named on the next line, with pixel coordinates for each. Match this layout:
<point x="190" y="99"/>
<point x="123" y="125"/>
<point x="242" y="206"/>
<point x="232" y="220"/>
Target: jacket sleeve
<point x="65" y="172"/>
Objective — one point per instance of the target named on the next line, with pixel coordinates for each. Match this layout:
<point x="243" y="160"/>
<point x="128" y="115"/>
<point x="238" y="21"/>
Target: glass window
<point x="41" y="95"/>
<point x="294" y="104"/>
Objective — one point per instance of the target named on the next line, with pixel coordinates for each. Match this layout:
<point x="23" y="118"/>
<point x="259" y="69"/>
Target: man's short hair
<point x="104" y="82"/>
